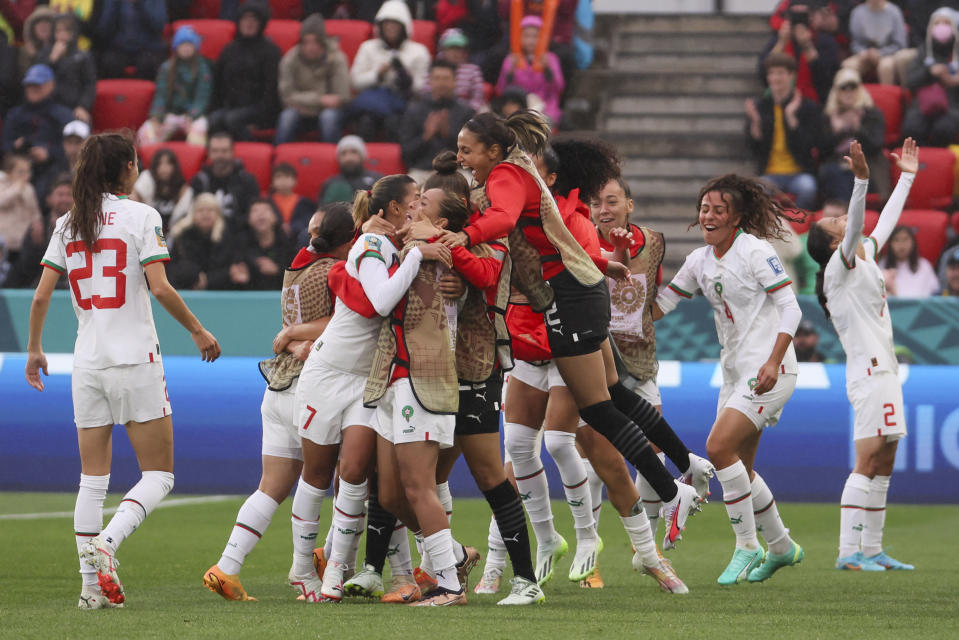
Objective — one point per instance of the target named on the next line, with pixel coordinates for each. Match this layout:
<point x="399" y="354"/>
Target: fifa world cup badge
<point x="407" y="412"/>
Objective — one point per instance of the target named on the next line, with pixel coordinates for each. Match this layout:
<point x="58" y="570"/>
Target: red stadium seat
<point x="890" y="99"/>
<point x="351" y="34"/>
<point x="216" y="34"/>
<point x="122" y="103"/>
<point x="385" y="157"/>
<point x="286" y="9"/>
<point x="257" y="157"/>
<point x="314" y="163"/>
<point x="190" y="156"/>
<point x="284" y="33"/>
<point x="932" y="188"/>
<point x="205" y="9"/>
<point x="424" y="32"/>
<point x="930" y="227"/>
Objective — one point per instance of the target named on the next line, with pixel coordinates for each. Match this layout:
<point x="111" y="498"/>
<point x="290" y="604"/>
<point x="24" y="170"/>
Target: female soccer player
<point x="306" y="306"/>
<point x="756" y="316"/>
<point x="112" y="250"/>
<point x="852" y="293"/>
<point x="576" y="299"/>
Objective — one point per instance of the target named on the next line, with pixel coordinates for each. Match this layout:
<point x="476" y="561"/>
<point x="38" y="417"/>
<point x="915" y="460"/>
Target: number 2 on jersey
<point x="119" y="247"/>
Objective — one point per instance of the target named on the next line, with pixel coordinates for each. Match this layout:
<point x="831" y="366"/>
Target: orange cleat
<point x="424" y="580"/>
<point x="319" y="562"/>
<point x="404" y="590"/>
<point x="226" y="585"/>
<point x="593" y="580"/>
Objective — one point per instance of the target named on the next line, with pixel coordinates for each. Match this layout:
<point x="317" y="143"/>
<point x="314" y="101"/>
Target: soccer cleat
<point x="308" y="587"/>
<point x="225" y="584"/>
<point x="743" y="561"/>
<point x="698" y="475"/>
<point x="365" y="584"/>
<point x="776" y="561"/>
<point x="319" y="561"/>
<point x="593" y="580"/>
<point x="489" y="583"/>
<point x="402" y="591"/>
<point x="464" y="568"/>
<point x="424" y="580"/>
<point x="106" y="565"/>
<point x="441" y="597"/>
<point x="857" y="562"/>
<point x="676" y="511"/>
<point x="92" y="598"/>
<point x="663" y="573"/>
<point x="547" y="556"/>
<point x="332" y="586"/>
<point x="888" y="563"/>
<point x="585" y="560"/>
<point x="523" y="592"/>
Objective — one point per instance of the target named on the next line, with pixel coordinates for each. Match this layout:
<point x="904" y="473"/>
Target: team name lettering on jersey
<point x="106" y="218"/>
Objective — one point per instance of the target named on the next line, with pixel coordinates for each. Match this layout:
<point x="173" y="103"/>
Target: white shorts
<point x="764" y="410"/>
<point x="648" y="390"/>
<point x="543" y="377"/>
<point x="120" y="394"/>
<point x="401" y="418"/>
<point x="877" y="402"/>
<point x="278" y="412"/>
<point x="328" y="401"/>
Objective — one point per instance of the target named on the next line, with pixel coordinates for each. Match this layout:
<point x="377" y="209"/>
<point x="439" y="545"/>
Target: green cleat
<point x="744" y="561"/>
<point x="774" y="562"/>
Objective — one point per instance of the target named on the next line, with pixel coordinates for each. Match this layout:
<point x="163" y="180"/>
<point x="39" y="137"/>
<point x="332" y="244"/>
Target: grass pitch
<point x="162" y="565"/>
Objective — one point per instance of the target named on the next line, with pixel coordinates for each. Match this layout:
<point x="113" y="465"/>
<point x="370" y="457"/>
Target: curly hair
<point x="760" y="214"/>
<point x="586" y="163"/>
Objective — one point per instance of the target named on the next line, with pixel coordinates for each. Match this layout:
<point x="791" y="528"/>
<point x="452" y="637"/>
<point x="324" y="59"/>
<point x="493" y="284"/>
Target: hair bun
<point x="321" y="244"/>
<point x="445" y="163"/>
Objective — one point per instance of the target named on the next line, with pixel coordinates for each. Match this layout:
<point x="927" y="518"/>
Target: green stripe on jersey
<point x="53" y="266"/>
<point x="159" y="256"/>
<point x="684" y="294"/>
<point x="370" y="253"/>
<point x="778" y="285"/>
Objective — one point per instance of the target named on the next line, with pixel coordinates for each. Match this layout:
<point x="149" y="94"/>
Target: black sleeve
<point x="872" y="131"/>
<point x="824" y="68"/>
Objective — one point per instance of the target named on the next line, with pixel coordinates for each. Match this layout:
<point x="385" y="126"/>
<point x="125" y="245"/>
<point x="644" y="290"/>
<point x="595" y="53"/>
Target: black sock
<point x="379" y="529"/>
<point x="630" y="441"/>
<point x="652" y="423"/>
<point x="511" y="520"/>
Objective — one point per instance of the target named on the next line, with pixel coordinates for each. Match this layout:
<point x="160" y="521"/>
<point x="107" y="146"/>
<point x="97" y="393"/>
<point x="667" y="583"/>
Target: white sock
<point x="595" y="491"/>
<point x="767" y="517"/>
<point x="88" y="518"/>
<point x="651" y="501"/>
<point x="328" y="541"/>
<point x="852" y="510"/>
<point x="496" y="549"/>
<point x="251" y="522"/>
<point x="641" y="537"/>
<point x="348" y="518"/>
<point x="875" y="516"/>
<point x="446" y="499"/>
<point x="401" y="560"/>
<point x="562" y="447"/>
<point x="137" y="504"/>
<point x="305" y="520"/>
<point x="439" y="547"/>
<point x="737" y="494"/>
<point x="530" y="479"/>
<point x="425" y="563"/>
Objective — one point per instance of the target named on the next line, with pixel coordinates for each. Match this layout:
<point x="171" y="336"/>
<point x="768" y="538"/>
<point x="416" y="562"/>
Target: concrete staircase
<point x="670" y="97"/>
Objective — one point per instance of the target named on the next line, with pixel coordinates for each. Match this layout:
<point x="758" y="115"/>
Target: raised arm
<point x="908" y="164"/>
<point x="857" y="204"/>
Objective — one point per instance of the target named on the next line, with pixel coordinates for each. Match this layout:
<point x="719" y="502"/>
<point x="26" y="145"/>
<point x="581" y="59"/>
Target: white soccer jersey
<point x="856" y="298"/>
<point x="108" y="288"/>
<point x="737" y="287"/>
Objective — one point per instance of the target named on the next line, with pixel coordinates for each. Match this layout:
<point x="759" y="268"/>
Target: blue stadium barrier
<point x="216" y="421"/>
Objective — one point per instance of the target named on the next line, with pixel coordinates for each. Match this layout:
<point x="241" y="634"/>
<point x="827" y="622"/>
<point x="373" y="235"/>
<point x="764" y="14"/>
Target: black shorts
<point x="479" y="406"/>
<point x="578" y="321"/>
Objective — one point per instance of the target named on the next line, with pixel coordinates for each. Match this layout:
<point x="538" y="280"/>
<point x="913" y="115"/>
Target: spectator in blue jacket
<point x="131" y="35"/>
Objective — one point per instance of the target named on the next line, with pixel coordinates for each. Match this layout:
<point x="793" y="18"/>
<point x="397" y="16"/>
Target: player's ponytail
<point x="819" y="246"/>
<point x="336" y="228"/>
<point x="388" y="189"/>
<point x="530" y="130"/>
<point x="102" y="165"/>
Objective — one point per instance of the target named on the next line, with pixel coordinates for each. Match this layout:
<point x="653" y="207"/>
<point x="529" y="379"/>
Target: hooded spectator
<point x="353" y="175"/>
<point x="76" y="75"/>
<point x="37" y="36"/>
<point x="130" y="34"/>
<point x="225" y="177"/>
<point x="933" y="78"/>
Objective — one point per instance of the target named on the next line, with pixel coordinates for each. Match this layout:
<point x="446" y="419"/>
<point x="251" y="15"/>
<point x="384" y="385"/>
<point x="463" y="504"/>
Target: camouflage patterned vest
<point x="429" y="344"/>
<point x="631" y="322"/>
<point x="479" y="340"/>
<point x="305" y="297"/>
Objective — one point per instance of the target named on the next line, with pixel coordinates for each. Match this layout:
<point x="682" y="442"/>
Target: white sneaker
<point x="92" y="598"/>
<point x="522" y="592"/>
<point x="95" y="555"/>
<point x="367" y="584"/>
<point x="489" y="583"/>
<point x="332" y="588"/>
<point x="676" y="511"/>
<point x="308" y="587"/>
<point x="698" y="475"/>
<point x="547" y="556"/>
<point x="584" y="562"/>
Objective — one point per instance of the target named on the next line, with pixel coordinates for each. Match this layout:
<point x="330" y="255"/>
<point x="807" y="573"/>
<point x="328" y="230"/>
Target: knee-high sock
<point x="251" y="521"/>
<point x="426" y="564"/>
<point x="875" y="516"/>
<point x="651" y="501"/>
<point x="652" y="422"/>
<point x="88" y="517"/>
<point x="630" y="441"/>
<point x="768" y="522"/>
<point x="595" y="491"/>
<point x="305" y="519"/>
<point x="439" y="547"/>
<point x="641" y="534"/>
<point x="852" y="513"/>
<point x="348" y="516"/>
<point x="737" y="494"/>
<point x="562" y="447"/>
<point x="446" y="499"/>
<point x="496" y="548"/>
<point x="137" y="504"/>
<point x="328" y="540"/>
<point x="508" y="512"/>
<point x="401" y="560"/>
<point x="531" y="480"/>
<point x="380" y="525"/>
